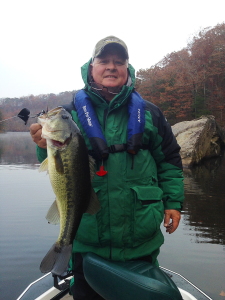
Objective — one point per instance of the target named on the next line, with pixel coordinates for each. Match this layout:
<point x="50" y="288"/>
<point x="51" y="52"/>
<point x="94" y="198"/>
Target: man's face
<point x="110" y="70"/>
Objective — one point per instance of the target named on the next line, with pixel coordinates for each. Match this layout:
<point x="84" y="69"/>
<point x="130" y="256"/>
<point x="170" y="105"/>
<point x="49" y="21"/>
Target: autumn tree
<point x="191" y="82"/>
<point x="1" y="124"/>
<point x="208" y="56"/>
<point x="11" y="107"/>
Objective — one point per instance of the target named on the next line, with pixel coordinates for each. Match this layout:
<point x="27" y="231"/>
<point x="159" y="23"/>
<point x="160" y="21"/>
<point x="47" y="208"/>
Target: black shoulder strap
<point x="69" y="107"/>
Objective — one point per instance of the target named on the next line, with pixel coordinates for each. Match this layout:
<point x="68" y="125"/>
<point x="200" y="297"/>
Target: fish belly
<point x="72" y="188"/>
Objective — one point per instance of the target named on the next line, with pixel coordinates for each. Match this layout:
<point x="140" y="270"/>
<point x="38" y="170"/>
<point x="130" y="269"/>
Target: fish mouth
<point x="61" y="145"/>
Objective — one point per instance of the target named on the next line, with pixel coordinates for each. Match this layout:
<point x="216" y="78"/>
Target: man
<point x="138" y="167"/>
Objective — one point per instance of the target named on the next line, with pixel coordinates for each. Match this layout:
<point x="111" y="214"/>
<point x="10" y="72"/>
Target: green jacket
<point x="137" y="188"/>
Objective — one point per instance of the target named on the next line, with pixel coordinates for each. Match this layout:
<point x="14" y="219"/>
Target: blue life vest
<point x="91" y="126"/>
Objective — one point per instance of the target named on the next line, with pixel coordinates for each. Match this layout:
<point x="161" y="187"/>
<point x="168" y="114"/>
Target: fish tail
<point x="56" y="260"/>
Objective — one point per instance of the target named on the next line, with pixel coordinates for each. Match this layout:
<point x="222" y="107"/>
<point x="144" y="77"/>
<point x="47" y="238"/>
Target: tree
<point x="1" y="124"/>
<point x="11" y="107"/>
<point x="191" y="82"/>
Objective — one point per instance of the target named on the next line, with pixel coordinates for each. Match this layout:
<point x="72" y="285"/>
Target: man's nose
<point x="111" y="65"/>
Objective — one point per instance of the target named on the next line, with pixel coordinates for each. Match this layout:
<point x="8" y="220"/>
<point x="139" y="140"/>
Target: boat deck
<point x="67" y="297"/>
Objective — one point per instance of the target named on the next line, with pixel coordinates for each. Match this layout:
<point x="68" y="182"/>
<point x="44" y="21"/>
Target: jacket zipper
<point x="105" y="116"/>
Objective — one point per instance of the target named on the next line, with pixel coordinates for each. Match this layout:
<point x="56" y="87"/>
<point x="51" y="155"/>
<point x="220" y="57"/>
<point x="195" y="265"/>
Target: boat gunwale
<point x="187" y="281"/>
<point x="165" y="269"/>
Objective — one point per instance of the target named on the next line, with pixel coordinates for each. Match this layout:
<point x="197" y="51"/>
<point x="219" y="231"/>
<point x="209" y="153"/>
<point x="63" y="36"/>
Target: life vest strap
<point x="119" y="148"/>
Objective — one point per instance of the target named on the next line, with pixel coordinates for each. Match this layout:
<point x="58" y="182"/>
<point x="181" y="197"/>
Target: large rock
<point x="199" y="139"/>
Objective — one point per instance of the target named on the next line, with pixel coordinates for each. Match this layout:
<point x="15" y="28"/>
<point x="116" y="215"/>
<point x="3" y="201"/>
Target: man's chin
<point x="110" y="83"/>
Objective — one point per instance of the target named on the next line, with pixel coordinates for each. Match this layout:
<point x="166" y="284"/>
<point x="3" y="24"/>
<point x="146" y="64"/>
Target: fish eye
<point x="65" y="117"/>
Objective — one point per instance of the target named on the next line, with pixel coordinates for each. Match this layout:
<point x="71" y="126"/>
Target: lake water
<point x="196" y="250"/>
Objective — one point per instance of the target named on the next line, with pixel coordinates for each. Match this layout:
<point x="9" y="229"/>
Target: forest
<point x="185" y="84"/>
<point x="191" y="82"/>
<point x="10" y="107"/>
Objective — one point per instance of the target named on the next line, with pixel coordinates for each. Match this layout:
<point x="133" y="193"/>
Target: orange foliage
<point x="191" y="82"/>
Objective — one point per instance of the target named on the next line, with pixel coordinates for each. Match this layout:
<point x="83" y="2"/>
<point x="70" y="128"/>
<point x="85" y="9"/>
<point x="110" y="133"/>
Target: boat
<point x="131" y="280"/>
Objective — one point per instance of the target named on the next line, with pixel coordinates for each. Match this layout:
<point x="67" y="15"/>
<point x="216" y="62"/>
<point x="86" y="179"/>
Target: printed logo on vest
<point x="139" y="115"/>
<point x="87" y="116"/>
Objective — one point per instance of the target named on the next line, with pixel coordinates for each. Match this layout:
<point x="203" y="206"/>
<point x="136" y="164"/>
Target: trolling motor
<point x="24" y="114"/>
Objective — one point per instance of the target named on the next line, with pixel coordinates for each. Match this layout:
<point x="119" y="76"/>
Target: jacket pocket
<point x="88" y="230"/>
<point x="148" y="213"/>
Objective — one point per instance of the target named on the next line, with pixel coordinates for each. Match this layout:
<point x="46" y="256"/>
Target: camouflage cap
<point x="99" y="48"/>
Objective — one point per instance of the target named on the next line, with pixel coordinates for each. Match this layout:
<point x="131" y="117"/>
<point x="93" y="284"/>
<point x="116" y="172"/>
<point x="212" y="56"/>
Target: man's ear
<point x="91" y="68"/>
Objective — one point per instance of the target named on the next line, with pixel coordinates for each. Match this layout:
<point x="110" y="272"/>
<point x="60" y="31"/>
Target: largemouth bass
<point x="71" y="171"/>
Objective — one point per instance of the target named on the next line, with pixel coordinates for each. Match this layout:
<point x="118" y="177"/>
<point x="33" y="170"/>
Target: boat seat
<point x="130" y="280"/>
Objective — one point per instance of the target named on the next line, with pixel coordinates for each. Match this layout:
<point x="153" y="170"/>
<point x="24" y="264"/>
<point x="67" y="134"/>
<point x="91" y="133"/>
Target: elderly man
<point x="138" y="177"/>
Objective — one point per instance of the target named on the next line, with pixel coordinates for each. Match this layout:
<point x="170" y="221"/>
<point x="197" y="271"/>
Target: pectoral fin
<point x="53" y="216"/>
<point x="44" y="166"/>
<point x="94" y="205"/>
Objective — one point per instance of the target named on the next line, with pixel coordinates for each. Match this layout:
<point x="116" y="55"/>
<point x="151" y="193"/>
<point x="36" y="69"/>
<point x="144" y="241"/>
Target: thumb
<point x="166" y="219"/>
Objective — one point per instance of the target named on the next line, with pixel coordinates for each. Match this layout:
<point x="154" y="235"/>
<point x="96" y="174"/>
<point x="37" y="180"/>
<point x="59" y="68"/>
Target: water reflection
<point x="17" y="148"/>
<point x="204" y="206"/>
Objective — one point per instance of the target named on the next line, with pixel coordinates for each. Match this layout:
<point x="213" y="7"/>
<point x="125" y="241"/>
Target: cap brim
<point x="109" y="45"/>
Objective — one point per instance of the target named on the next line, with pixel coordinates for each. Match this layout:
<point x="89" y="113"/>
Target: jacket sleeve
<point x="41" y="154"/>
<point x="165" y="151"/>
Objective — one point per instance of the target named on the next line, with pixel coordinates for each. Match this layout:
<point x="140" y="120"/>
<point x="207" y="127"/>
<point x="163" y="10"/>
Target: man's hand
<point x="175" y="216"/>
<point x="35" y="132"/>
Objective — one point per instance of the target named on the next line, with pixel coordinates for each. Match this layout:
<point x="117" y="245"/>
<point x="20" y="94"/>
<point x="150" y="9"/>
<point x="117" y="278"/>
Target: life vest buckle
<point x="112" y="149"/>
